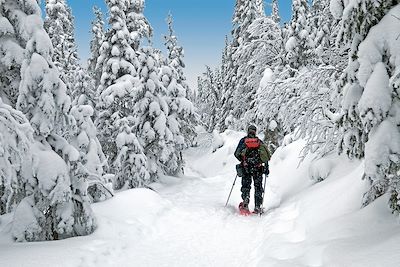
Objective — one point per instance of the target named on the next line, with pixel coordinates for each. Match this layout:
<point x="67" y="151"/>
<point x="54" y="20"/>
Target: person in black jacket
<point x="254" y="156"/>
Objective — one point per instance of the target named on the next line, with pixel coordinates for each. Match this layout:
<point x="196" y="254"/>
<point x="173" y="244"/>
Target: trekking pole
<point x="265" y="183"/>
<point x="231" y="191"/>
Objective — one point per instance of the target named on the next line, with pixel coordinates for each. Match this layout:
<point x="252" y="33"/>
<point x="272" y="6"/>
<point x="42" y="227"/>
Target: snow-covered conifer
<point x="174" y="80"/>
<point x="227" y="72"/>
<point x="97" y="39"/>
<point x="131" y="163"/>
<point x="175" y="55"/>
<point x="54" y="206"/>
<point x="275" y="12"/>
<point x="59" y="24"/>
<point x="324" y="29"/>
<point x="138" y="26"/>
<point x="152" y="110"/>
<point x="371" y="105"/>
<point x="262" y="51"/>
<point x="208" y="101"/>
<point x="299" y="44"/>
<point x="119" y="65"/>
<point x="91" y="157"/>
<point x="246" y="12"/>
<point x="351" y="35"/>
<point x="84" y="89"/>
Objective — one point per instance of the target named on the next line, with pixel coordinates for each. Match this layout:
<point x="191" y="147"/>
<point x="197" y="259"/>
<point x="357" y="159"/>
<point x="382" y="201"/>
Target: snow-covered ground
<point x="183" y="222"/>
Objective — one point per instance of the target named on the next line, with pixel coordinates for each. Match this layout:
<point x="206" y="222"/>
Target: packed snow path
<point x="183" y="222"/>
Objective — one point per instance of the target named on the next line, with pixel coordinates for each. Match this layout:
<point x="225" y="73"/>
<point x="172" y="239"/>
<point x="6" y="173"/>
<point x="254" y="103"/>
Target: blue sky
<point x="200" y="25"/>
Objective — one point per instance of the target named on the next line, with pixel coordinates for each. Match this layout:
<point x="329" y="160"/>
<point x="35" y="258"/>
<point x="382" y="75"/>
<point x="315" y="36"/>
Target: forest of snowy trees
<point x="331" y="76"/>
<point x="72" y="133"/>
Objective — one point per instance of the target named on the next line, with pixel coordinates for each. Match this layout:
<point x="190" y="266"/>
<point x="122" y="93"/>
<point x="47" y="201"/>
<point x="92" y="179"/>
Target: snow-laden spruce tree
<point x="174" y="80"/>
<point x="244" y="14"/>
<point x="151" y="111"/>
<point x="54" y="206"/>
<point x="370" y="88"/>
<point x="262" y="52"/>
<point x="299" y="44"/>
<point x="94" y="69"/>
<point x="176" y="55"/>
<point x="138" y="25"/>
<point x="131" y="162"/>
<point x="59" y="24"/>
<point x="324" y="30"/>
<point x="226" y="120"/>
<point x="91" y="161"/>
<point x="351" y="35"/>
<point x="120" y="99"/>
<point x="16" y="138"/>
<point x="84" y="89"/>
<point x="275" y="12"/>
<point x="209" y="95"/>
<point x="246" y="11"/>
<point x="119" y="66"/>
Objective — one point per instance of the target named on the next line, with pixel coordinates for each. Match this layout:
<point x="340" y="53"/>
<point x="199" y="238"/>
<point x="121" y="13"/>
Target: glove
<point x="266" y="169"/>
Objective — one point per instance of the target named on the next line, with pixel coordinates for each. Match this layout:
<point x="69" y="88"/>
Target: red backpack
<point x="252" y="156"/>
<point x="252" y="143"/>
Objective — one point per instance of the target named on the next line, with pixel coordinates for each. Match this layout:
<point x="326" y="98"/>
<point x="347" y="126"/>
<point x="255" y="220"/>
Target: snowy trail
<point x="184" y="224"/>
<point x="184" y="221"/>
<point x="194" y="230"/>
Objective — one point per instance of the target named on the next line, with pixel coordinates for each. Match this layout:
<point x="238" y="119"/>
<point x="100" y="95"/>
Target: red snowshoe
<point x="244" y="210"/>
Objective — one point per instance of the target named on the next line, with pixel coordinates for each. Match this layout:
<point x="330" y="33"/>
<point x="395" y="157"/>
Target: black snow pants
<point x="256" y="176"/>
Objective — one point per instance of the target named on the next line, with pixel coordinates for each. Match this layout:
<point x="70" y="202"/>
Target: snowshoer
<point x="253" y="155"/>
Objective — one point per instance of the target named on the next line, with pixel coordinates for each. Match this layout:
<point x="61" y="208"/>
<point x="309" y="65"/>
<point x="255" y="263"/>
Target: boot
<point x="258" y="210"/>
<point x="245" y="204"/>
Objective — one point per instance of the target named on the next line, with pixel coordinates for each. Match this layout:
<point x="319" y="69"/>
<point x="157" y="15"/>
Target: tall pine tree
<point x="181" y="107"/>
<point x="55" y="204"/>
<point x="94" y="69"/>
<point x="299" y="45"/>
<point x="371" y="104"/>
<point x="59" y="23"/>
<point x="275" y="12"/>
<point x="118" y="92"/>
<point x="137" y="24"/>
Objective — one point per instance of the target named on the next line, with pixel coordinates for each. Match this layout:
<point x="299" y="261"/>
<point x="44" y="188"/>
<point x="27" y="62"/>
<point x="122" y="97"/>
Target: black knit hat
<point x="252" y="129"/>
